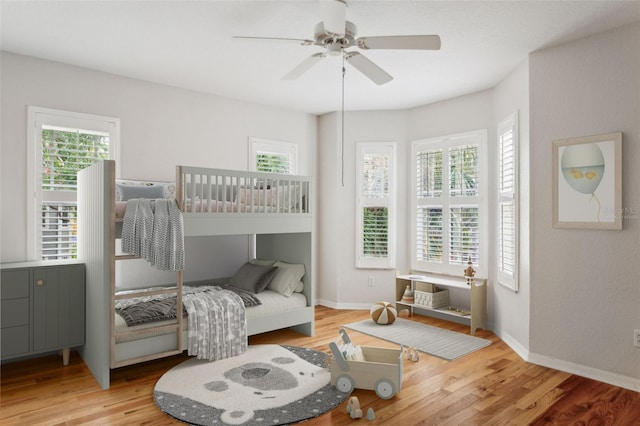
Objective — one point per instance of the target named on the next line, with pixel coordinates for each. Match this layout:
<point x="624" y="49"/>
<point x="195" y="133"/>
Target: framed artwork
<point x="587" y="182"/>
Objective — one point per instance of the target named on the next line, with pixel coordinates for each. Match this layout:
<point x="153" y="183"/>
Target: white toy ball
<point x="383" y="313"/>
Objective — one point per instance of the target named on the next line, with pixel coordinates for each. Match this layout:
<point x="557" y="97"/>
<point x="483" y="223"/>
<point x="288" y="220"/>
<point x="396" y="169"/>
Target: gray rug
<point x="434" y="341"/>
<point x="266" y="385"/>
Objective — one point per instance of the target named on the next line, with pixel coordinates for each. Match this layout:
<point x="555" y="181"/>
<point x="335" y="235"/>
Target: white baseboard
<point x="517" y="347"/>
<point x="570" y="367"/>
<point x="353" y="306"/>
<point x="584" y="371"/>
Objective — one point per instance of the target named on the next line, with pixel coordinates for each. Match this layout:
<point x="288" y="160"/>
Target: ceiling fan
<point x="335" y="34"/>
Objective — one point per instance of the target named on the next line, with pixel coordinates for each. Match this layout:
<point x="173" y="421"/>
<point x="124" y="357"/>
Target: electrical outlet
<point x="636" y="338"/>
<point x="372" y="281"/>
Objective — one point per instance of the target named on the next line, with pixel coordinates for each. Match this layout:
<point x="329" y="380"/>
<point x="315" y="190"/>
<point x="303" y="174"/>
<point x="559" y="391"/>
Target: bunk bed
<point x="213" y="202"/>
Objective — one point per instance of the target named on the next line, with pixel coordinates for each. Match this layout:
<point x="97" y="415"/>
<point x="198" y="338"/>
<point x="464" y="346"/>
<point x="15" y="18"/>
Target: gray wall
<point x="585" y="294"/>
<point x="161" y="127"/>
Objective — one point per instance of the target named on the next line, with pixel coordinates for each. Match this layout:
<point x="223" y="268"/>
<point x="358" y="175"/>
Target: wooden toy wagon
<point x="381" y="369"/>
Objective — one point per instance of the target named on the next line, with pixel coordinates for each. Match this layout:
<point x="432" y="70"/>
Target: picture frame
<point x="587" y="182"/>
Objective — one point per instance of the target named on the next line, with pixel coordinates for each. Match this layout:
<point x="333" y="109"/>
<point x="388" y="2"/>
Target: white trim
<point x="515" y="345"/>
<point x="36" y="118"/>
<point x="570" y="367"/>
<point x="342" y="306"/>
<point x="390" y="149"/>
<point x="586" y="371"/>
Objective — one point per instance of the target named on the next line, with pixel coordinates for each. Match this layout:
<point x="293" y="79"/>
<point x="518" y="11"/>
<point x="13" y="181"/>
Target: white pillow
<point x="287" y="277"/>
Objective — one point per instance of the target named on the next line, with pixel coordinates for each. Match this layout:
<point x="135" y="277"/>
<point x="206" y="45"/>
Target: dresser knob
<point x="40" y="282"/>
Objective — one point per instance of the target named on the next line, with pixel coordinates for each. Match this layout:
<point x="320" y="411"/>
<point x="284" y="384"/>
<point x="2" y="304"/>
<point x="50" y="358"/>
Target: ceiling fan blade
<point x="411" y="42"/>
<point x="304" y="66"/>
<point x="302" y="41"/>
<point x="368" y="68"/>
<point x="334" y="16"/>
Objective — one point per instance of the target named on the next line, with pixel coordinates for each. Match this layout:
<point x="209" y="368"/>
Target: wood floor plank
<point x="492" y="386"/>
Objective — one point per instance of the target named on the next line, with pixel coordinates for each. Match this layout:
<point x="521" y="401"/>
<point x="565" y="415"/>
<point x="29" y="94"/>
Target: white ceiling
<point x="188" y="44"/>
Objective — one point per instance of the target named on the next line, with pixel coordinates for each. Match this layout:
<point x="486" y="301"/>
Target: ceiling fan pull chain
<point x="342" y="116"/>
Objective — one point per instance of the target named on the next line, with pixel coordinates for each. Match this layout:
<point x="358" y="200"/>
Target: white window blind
<point x="507" y="206"/>
<point x="464" y="230"/>
<point x="63" y="143"/>
<point x="375" y="205"/>
<point x="272" y="156"/>
<point x="429" y="237"/>
<point x="448" y="225"/>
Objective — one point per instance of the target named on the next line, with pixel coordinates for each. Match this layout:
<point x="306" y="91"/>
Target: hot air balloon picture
<point x="587" y="182"/>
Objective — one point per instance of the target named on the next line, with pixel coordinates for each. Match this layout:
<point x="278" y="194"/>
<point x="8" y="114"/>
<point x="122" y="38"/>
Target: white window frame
<point x="445" y="201"/>
<point x="258" y="145"/>
<point x="506" y="126"/>
<point x="368" y="262"/>
<point x="37" y="117"/>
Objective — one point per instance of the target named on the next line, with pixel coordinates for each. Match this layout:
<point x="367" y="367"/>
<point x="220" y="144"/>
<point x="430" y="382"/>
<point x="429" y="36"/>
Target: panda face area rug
<point x="266" y="385"/>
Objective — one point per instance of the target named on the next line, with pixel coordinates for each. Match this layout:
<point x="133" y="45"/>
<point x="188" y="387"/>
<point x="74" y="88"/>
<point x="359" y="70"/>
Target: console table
<point x="474" y="311"/>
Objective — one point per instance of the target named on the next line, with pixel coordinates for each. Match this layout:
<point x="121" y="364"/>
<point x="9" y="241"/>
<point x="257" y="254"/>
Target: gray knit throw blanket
<point x="153" y="230"/>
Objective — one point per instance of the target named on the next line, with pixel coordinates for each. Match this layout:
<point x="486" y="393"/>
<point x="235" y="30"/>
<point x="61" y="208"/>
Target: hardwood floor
<point x="492" y="386"/>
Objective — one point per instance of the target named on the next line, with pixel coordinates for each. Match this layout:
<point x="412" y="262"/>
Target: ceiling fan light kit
<point x="335" y="15"/>
<point x="335" y="34"/>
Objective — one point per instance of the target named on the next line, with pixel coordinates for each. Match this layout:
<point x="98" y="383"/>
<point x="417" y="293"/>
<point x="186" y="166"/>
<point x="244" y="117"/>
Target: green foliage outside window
<point x="375" y="236"/>
<point x="273" y="163"/>
<point x="65" y="153"/>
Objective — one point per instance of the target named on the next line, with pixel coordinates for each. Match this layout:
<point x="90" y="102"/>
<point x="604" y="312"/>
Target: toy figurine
<point x="353" y="408"/>
<point x="469" y="272"/>
<point x="370" y="414"/>
<point x="407" y="297"/>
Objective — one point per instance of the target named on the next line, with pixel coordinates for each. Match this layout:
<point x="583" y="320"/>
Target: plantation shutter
<point x="507" y="187"/>
<point x="464" y="224"/>
<point x="375" y="205"/>
<point x="429" y="234"/>
<point x="447" y="222"/>
<point x="429" y="226"/>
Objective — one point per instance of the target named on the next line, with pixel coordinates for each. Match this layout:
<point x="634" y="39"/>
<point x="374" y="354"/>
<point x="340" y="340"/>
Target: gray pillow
<point x="253" y="278"/>
<point x="128" y="192"/>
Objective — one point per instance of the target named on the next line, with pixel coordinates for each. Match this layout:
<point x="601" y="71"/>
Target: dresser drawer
<point x="15" y="340"/>
<point x="14" y="312"/>
<point x="15" y="284"/>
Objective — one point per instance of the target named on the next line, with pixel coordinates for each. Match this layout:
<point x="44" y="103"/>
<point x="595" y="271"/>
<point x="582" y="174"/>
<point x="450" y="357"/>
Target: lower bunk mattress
<point x="272" y="304"/>
<point x="275" y="311"/>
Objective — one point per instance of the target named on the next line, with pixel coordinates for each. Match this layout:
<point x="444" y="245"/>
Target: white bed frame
<point x="283" y="232"/>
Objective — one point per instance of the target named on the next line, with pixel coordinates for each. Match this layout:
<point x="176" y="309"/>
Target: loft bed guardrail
<point x="202" y="190"/>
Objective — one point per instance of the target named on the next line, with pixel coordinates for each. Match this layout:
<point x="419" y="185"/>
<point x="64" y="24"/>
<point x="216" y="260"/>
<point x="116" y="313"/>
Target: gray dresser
<point x="43" y="308"/>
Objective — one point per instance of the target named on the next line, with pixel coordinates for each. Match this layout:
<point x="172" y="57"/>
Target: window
<point x="375" y="205"/>
<point x="507" y="202"/>
<point x="61" y="143"/>
<point x="449" y="185"/>
<point x="272" y="156"/>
